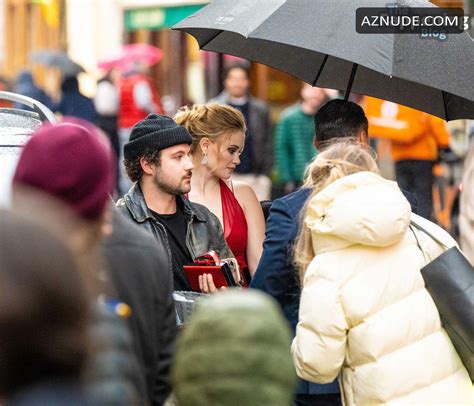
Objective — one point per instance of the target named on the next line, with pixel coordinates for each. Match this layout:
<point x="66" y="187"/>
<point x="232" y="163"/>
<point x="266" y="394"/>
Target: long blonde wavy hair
<point x="339" y="159"/>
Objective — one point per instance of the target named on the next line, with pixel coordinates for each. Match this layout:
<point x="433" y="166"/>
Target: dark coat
<point x="260" y="127"/>
<point x="75" y="104"/>
<point x="51" y="393"/>
<point x="204" y="231"/>
<point x="276" y="274"/>
<point x="138" y="267"/>
<point x="112" y="373"/>
<point x="26" y="86"/>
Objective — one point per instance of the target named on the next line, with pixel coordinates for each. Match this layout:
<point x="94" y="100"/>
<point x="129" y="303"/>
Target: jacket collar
<point x="225" y="98"/>
<point x="135" y="202"/>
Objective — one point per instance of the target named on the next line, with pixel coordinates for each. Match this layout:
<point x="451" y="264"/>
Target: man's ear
<point x="363" y="137"/>
<point x="316" y="143"/>
<point x="147" y="167"/>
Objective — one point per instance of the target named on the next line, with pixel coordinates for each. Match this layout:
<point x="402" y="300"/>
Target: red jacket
<point x="129" y="112"/>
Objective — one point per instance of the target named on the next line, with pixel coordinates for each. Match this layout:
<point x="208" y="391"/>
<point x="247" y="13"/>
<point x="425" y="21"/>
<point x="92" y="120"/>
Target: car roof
<point x="16" y="126"/>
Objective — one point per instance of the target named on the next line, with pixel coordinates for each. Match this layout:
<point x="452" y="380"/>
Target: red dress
<point x="235" y="228"/>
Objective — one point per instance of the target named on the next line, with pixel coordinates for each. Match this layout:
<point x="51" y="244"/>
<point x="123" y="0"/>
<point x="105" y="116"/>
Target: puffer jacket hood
<point x="362" y="208"/>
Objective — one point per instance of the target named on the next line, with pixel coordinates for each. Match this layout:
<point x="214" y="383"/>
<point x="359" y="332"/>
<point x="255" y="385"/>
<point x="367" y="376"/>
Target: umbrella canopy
<point x="130" y="54"/>
<point x="57" y="59"/>
<point x="317" y="41"/>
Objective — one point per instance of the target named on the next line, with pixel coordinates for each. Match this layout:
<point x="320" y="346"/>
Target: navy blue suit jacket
<point x="276" y="274"/>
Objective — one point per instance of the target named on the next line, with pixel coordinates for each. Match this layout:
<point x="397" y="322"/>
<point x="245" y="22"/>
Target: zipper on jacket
<point x="161" y="228"/>
<point x="188" y="231"/>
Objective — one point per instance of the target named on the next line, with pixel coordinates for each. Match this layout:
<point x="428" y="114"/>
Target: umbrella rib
<point x="320" y="70"/>
<point x="212" y="38"/>
<point x="351" y="81"/>
<point x="443" y="94"/>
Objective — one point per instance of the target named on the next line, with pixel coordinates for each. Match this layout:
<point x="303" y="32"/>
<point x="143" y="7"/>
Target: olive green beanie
<point x="235" y="350"/>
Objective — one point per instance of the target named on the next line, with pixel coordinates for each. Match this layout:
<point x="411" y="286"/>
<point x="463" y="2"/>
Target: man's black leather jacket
<point x="204" y="231"/>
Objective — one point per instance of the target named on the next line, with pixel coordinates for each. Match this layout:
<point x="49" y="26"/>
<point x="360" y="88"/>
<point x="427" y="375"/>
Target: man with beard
<point x="157" y="159"/>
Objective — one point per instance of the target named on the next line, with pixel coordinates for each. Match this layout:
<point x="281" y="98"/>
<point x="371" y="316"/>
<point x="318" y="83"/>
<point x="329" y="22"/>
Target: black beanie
<point x="156" y="132"/>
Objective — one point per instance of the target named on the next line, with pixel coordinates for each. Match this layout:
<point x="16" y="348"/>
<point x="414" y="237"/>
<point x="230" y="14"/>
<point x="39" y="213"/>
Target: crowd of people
<point x="329" y="283"/>
<point x="275" y="152"/>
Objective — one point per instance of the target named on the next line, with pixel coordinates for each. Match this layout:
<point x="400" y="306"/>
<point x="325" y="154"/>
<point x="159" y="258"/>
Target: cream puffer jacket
<point x="365" y="313"/>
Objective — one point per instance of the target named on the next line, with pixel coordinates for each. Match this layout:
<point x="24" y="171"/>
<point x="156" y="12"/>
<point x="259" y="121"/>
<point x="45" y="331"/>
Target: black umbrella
<point x="316" y="41"/>
<point x="57" y="59"/>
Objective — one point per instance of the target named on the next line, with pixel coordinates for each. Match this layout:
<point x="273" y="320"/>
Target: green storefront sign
<point x="158" y="17"/>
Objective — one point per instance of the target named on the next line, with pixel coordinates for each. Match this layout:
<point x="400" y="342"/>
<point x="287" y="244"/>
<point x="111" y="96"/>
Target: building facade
<point x="91" y="30"/>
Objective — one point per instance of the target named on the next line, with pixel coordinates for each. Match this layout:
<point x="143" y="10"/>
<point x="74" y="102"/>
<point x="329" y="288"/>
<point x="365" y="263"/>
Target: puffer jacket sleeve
<point x="320" y="343"/>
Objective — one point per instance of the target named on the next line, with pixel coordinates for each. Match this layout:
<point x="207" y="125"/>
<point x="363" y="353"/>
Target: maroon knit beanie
<point x="72" y="162"/>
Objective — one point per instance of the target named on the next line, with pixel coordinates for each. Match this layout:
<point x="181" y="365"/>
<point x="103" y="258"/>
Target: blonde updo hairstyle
<point x="210" y="121"/>
<point x="339" y="159"/>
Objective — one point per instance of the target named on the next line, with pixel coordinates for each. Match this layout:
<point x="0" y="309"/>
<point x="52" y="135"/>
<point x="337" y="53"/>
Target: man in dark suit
<point x="276" y="274"/>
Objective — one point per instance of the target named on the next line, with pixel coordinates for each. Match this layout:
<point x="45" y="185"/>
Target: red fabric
<point x="235" y="228"/>
<point x="129" y="113"/>
<point x="4" y="103"/>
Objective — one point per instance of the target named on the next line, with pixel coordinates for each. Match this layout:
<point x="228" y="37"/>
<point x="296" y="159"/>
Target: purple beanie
<point x="72" y="162"/>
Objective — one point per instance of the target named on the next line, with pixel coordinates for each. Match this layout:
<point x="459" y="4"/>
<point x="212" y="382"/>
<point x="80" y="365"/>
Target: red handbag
<point x="210" y="263"/>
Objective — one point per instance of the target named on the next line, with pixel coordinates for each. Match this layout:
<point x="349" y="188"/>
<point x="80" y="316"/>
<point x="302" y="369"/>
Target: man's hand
<point x="206" y="283"/>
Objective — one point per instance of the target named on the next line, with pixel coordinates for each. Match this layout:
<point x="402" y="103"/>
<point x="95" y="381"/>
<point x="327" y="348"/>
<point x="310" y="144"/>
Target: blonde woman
<point x="218" y="133"/>
<point x="365" y="314"/>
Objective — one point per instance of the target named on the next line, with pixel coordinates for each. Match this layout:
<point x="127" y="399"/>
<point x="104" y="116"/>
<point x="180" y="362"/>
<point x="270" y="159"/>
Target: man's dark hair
<point x="133" y="167"/>
<point x="339" y="119"/>
<point x="233" y="66"/>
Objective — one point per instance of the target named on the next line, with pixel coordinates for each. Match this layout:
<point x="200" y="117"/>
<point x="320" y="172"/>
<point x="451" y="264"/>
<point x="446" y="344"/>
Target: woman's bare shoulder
<point x="242" y="188"/>
<point x="245" y="195"/>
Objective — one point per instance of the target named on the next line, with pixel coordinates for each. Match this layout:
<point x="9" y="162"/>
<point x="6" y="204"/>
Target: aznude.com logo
<point x="407" y="20"/>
